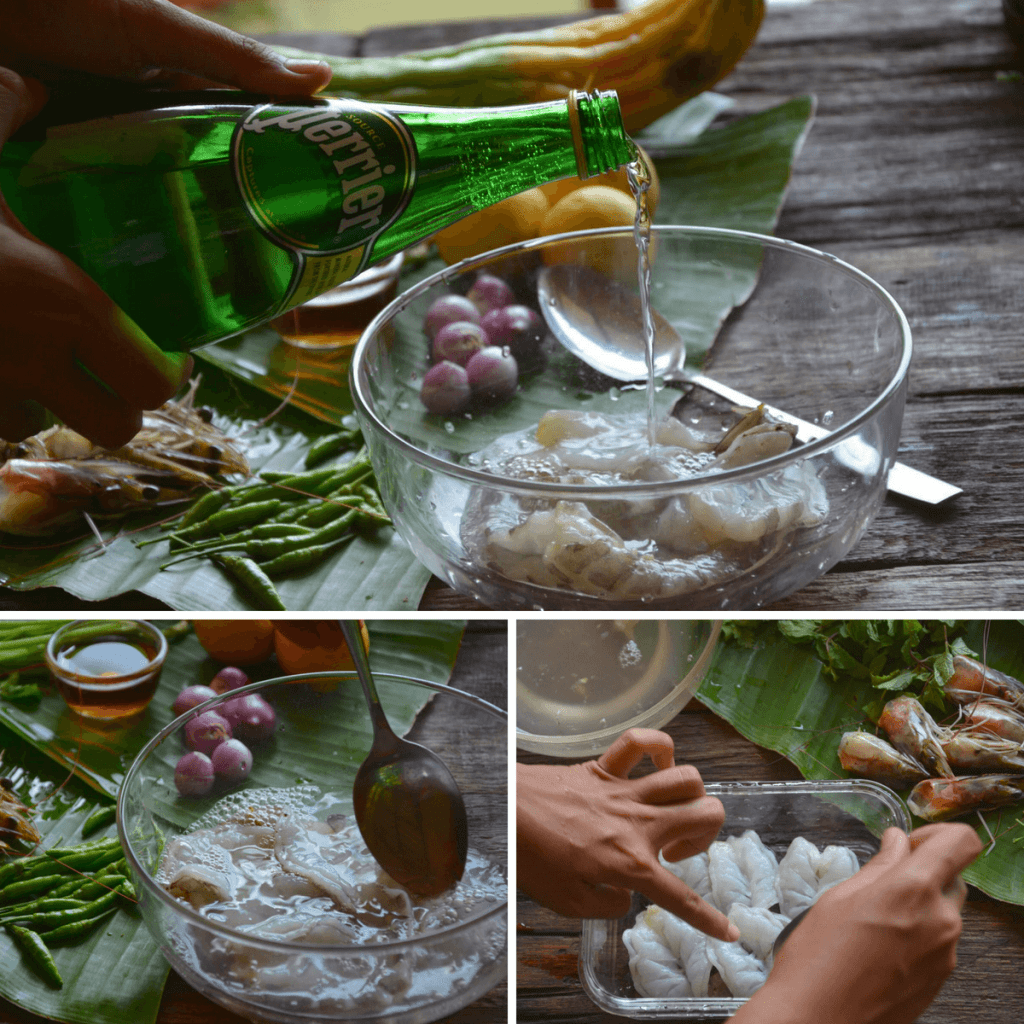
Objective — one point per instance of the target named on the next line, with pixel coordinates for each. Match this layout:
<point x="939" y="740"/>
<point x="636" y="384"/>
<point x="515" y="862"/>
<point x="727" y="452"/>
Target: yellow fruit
<point x="512" y="220"/>
<point x="314" y="646"/>
<point x="594" y="206"/>
<point x="558" y="190"/>
<point x="236" y="641"/>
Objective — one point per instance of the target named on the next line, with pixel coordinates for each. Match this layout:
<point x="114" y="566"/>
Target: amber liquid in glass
<point x="105" y="677"/>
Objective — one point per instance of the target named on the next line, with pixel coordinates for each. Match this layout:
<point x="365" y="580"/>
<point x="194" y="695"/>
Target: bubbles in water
<point x="449" y="427"/>
<point x="630" y="655"/>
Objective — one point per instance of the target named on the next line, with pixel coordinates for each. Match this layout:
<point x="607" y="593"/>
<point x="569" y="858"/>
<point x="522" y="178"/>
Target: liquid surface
<point x="583" y="675"/>
<point x="100" y="679"/>
<point x="263" y="867"/>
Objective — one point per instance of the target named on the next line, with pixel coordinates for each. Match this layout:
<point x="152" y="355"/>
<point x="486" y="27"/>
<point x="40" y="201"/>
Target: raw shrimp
<point x="941" y="799"/>
<point x="971" y="752"/>
<point x="873" y="758"/>
<point x="997" y="719"/>
<point x="914" y="732"/>
<point x="48" y="480"/>
<point x="973" y="677"/>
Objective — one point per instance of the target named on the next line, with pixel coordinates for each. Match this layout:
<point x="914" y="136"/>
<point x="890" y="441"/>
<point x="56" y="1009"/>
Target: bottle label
<point x="324" y="181"/>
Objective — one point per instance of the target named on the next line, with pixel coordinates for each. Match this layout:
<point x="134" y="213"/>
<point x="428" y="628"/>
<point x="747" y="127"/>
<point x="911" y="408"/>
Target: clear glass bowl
<point x="653" y="667"/>
<point x="798" y="329"/>
<point x="320" y="741"/>
<point x="847" y="812"/>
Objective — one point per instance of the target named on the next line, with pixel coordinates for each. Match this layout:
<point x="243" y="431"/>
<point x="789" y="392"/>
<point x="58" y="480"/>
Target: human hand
<point x="878" y="947"/>
<point x="68" y="346"/>
<point x="587" y="834"/>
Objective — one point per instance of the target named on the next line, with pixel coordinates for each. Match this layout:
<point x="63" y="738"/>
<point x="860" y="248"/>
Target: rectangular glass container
<point x="845" y="812"/>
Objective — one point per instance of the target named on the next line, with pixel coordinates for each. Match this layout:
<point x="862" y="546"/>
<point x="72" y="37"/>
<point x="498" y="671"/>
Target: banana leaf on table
<point x="777" y="695"/>
<point x="373" y="572"/>
<point x="67" y="770"/>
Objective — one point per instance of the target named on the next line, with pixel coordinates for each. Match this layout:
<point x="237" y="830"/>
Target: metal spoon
<point x="407" y="805"/>
<point x="596" y="319"/>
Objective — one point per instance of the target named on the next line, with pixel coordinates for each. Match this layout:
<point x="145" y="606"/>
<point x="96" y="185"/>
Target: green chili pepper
<point x="209" y="503"/>
<point x="18" y="868"/>
<point x="300" y="481"/>
<point x="77" y="929"/>
<point x="92" y="846"/>
<point x="331" y="444"/>
<point x="330" y="509"/>
<point x="300" y="560"/>
<point x="58" y="918"/>
<point x="36" y="952"/>
<point x="39" y="907"/>
<point x="117" y="867"/>
<point x="28" y="886"/>
<point x="100" y="817"/>
<point x="253" y="580"/>
<point x="90" y="860"/>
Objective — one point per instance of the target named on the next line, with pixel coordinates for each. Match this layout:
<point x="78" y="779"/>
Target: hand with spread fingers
<point x="67" y="346"/>
<point x="877" y="948"/>
<point x="588" y="835"/>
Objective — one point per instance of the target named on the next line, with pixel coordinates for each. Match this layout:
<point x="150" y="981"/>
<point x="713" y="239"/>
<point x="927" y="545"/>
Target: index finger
<point x="660" y="886"/>
<point x="629" y="750"/>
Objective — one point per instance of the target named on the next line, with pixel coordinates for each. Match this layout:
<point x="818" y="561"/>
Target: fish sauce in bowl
<point x="106" y="671"/>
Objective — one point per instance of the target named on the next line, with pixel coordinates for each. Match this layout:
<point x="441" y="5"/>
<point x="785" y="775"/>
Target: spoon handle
<point x="354" y="639"/>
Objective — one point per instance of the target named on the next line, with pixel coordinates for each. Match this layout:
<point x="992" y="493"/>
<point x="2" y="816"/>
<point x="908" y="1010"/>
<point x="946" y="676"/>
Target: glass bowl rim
<point x="585" y="492"/>
<point x="155" y="662"/>
<point x="706" y="652"/>
<point x="188" y="913"/>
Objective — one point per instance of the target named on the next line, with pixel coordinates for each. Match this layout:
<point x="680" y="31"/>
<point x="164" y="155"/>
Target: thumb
<point x="20" y="100"/>
<point x="894" y="847"/>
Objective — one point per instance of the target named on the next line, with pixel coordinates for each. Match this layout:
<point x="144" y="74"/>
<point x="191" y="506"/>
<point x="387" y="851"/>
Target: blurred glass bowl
<point x="796" y="328"/>
<point x="580" y="683"/>
<point x="310" y="763"/>
<point x="846" y="812"/>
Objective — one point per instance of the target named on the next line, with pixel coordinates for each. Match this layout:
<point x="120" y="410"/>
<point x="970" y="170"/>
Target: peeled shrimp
<point x="914" y="732"/>
<point x="48" y="480"/>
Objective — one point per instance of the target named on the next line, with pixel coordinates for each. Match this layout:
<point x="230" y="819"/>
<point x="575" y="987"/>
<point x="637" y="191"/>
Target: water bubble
<point x="449" y="427"/>
<point x="630" y="655"/>
<point x="828" y="417"/>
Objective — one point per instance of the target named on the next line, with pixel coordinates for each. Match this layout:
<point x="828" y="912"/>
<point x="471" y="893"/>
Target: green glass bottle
<point x="216" y="214"/>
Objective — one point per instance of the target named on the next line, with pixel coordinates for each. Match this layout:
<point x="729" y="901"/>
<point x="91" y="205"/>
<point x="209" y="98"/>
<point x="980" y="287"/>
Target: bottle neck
<point x="598" y="135"/>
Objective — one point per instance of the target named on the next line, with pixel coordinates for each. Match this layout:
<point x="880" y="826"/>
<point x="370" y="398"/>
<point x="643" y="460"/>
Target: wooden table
<point x="986" y="987"/>
<point x="912" y="172"/>
<point x="481" y="668"/>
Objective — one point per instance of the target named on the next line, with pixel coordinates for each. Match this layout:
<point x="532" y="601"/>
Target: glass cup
<point x="333" y="321"/>
<point x="106" y="669"/>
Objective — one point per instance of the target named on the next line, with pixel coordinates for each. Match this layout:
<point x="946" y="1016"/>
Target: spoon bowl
<point x="408" y="807"/>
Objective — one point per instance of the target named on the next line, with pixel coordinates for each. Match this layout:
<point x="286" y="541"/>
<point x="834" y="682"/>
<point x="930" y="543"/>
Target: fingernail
<point x="304" y="66"/>
<point x="173" y="365"/>
<point x="733" y="934"/>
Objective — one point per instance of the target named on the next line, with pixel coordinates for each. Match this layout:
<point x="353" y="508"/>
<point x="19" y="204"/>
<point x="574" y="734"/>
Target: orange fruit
<point x="594" y="206"/>
<point x="314" y="646"/>
<point x="236" y="641"/>
<point x="512" y="220"/>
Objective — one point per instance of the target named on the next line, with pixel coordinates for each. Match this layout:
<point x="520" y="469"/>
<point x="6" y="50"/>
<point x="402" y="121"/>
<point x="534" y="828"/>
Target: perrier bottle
<point x="205" y="218"/>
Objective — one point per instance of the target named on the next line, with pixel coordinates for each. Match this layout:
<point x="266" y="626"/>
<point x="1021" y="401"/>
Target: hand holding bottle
<point x="879" y="946"/>
<point x="587" y="834"/>
<point x="68" y="346"/>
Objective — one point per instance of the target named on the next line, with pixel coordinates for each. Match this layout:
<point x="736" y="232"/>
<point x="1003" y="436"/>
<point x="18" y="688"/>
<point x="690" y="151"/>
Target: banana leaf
<point x="424" y="648"/>
<point x="118" y="973"/>
<point x="777" y="696"/>
<point x="372" y="572"/>
<point x="115" y="974"/>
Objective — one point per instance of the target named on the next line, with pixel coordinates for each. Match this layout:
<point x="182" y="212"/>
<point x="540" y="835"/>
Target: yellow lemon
<point x="594" y="206"/>
<point x="512" y="220"/>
